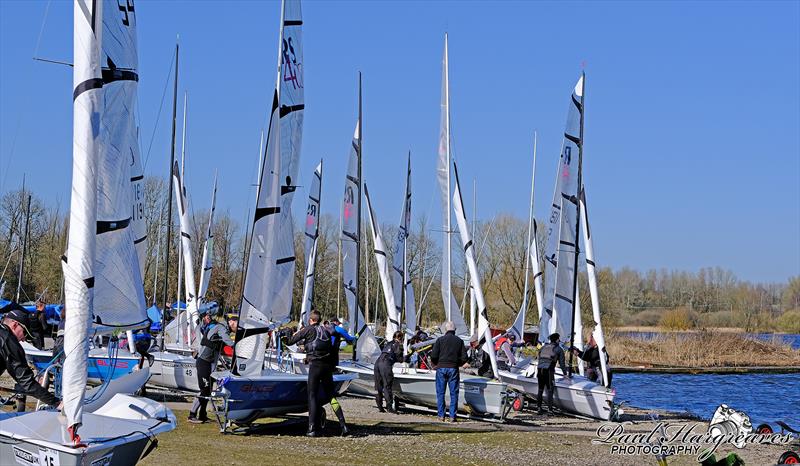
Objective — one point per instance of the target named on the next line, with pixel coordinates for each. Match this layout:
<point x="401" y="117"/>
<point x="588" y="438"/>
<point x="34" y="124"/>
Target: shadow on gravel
<point x="297" y="427"/>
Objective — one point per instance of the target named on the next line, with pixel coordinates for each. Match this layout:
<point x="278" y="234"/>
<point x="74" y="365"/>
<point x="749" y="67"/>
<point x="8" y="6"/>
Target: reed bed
<point x="701" y="349"/>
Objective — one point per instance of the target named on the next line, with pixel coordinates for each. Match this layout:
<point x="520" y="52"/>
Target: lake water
<point x="764" y="397"/>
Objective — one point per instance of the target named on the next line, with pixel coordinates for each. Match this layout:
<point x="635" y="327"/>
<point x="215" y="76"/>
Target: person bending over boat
<point x="546" y="370"/>
<point x="592" y="357"/>
<point x="318" y="345"/>
<point x="13" y="328"/>
<point x="213" y="335"/>
<point x="384" y="377"/>
<point x="447" y="355"/>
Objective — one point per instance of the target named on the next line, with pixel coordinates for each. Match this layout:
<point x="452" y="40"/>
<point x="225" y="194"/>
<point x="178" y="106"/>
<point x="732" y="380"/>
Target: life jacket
<point x="499" y="343"/>
<point x="208" y="343"/>
<point x="321" y="344"/>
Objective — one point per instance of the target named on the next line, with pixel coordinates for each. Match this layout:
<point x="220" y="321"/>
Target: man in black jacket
<point x="448" y="354"/>
<point x="13" y="329"/>
<point x="318" y="345"/>
<point x="384" y="376"/>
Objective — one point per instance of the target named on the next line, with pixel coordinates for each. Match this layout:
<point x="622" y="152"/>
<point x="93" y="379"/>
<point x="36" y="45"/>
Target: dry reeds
<point x="700" y="349"/>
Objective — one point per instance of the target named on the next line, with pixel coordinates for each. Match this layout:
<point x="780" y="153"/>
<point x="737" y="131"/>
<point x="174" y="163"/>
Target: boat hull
<point x="115" y="435"/>
<point x="174" y="371"/>
<point x="477" y="395"/>
<point x="577" y="395"/>
<point x="99" y="366"/>
<point x="272" y="393"/>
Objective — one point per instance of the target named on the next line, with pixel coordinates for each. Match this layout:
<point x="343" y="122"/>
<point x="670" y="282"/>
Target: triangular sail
<point x="452" y="311"/>
<point x="367" y="349"/>
<point x="382" y="260"/>
<point x="561" y="240"/>
<point x="400" y="276"/>
<point x="484" y="331"/>
<point x="208" y="250"/>
<point x="597" y="332"/>
<point x="312" y="237"/>
<point x="269" y="276"/>
<point x="120" y="132"/>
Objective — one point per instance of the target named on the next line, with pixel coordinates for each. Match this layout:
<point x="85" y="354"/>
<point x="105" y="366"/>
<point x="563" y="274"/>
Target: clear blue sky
<point x="692" y="111"/>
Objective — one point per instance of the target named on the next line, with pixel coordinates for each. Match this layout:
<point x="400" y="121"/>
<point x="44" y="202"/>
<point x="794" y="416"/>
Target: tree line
<point x="711" y="296"/>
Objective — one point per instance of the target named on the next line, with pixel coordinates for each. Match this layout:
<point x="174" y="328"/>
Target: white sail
<point x="312" y="236"/>
<point x="561" y="241"/>
<point x="103" y="283"/>
<point x="259" y="299"/>
<point x="208" y="249"/>
<point x="577" y="327"/>
<point x="400" y="277"/>
<point x="291" y="104"/>
<point x="484" y="331"/>
<point x="367" y="349"/>
<point x="186" y="246"/>
<point x="452" y="311"/>
<point x="79" y="266"/>
<point x="382" y="260"/>
<point x="597" y="332"/>
<point x="120" y="132"/>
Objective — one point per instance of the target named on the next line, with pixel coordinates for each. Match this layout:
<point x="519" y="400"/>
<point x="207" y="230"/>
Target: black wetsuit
<point x="12" y="358"/>
<point x="320" y="370"/>
<point x="384" y="377"/>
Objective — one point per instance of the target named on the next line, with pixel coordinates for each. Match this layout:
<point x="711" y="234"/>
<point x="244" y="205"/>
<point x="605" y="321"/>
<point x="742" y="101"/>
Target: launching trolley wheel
<point x="789" y="457"/>
<point x="518" y="403"/>
<point x="764" y="429"/>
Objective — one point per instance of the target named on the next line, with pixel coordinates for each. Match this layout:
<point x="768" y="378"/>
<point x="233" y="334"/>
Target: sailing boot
<point x="337" y="409"/>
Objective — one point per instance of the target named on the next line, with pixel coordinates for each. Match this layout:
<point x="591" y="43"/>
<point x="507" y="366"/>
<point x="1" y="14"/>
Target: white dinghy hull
<point x="477" y="395"/>
<point x="118" y="434"/>
<point x="578" y="396"/>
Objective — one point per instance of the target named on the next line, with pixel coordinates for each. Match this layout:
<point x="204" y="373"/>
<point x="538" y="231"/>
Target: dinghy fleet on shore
<point x="103" y="270"/>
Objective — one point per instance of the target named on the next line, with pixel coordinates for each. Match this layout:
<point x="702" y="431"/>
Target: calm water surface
<point x="764" y="397"/>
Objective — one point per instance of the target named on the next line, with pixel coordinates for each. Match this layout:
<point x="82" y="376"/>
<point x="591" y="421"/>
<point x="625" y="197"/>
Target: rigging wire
<point x="158" y="116"/>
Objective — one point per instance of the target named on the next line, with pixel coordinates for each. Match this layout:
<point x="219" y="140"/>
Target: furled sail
<point x="367" y="349"/>
<point x="186" y="247"/>
<point x="312" y="237"/>
<point x="400" y="277"/>
<point x="561" y="240"/>
<point x="208" y="250"/>
<point x="382" y="260"/>
<point x="484" y="331"/>
<point x="452" y="311"/>
<point x="103" y="282"/>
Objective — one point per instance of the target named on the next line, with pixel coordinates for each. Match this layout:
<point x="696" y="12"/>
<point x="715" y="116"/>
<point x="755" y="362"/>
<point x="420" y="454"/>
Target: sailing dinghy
<point x="103" y="286"/>
<point x="574" y="393"/>
<point x="251" y="390"/>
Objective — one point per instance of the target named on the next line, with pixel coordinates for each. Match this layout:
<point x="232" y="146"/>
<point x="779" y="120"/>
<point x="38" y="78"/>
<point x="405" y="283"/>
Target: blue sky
<point x="692" y="143"/>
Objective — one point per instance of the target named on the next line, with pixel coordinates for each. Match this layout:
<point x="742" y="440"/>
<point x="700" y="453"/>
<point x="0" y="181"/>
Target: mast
<point x="578" y="223"/>
<point x="169" y="191"/>
<point x="182" y="182"/>
<point x="447" y="228"/>
<point x="24" y="242"/>
<point x="358" y="212"/>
